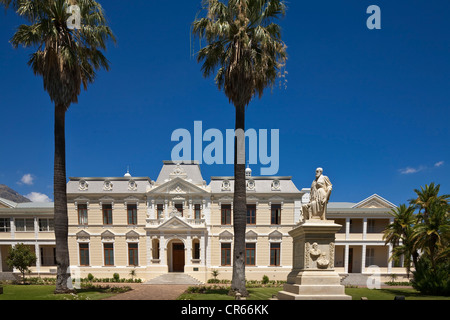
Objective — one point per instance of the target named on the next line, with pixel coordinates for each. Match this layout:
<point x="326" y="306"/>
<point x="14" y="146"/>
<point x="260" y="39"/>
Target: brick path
<point x="150" y="292"/>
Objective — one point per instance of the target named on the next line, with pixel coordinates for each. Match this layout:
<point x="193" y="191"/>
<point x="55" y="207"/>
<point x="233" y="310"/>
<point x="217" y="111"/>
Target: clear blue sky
<point x="369" y="106"/>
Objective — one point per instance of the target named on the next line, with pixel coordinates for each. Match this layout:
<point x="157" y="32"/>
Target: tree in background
<point x="426" y="232"/>
<point x="21" y="257"/>
<point x="66" y="58"/>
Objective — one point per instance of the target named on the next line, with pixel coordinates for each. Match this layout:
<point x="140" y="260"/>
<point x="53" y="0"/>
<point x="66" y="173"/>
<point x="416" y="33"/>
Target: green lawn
<point x="45" y="292"/>
<point x="356" y="293"/>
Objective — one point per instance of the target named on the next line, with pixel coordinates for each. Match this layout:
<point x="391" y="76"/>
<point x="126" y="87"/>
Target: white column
<point x="149" y="249"/>
<point x="202" y="250"/>
<point x="162" y="251"/>
<point x="152" y="211"/>
<point x="347" y="228"/>
<point x="363" y="258"/>
<point x="364" y="228"/>
<point x="346" y="258"/>
<point x="38" y="258"/>
<point x="166" y="209"/>
<point x="389" y="254"/>
<point x="188" y="250"/>
<point x="191" y="216"/>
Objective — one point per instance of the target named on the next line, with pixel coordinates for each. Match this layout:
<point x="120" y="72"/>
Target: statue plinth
<point x="313" y="276"/>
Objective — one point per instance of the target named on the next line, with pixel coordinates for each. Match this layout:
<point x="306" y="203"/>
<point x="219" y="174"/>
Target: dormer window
<point x="107" y="185"/>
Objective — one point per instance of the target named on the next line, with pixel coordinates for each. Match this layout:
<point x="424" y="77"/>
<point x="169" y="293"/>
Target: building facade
<point x="179" y="223"/>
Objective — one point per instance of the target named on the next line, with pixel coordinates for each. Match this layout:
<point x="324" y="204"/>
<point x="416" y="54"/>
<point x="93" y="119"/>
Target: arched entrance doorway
<point x="177" y="256"/>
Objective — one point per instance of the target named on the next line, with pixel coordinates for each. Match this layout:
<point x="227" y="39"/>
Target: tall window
<point x="108" y="252"/>
<point x="274" y="254"/>
<point x="226" y="214"/>
<point x="251" y="214"/>
<point x="225" y="254"/>
<point x="179" y="207"/>
<point x="132" y="213"/>
<point x="46" y="224"/>
<point x="275" y="216"/>
<point x="5" y="225"/>
<point x="370" y="256"/>
<point x="82" y="214"/>
<point x="25" y="225"/>
<point x="197" y="212"/>
<point x="250" y="254"/>
<point x="370" y="225"/>
<point x="196" y="252"/>
<point x="155" y="249"/>
<point x="159" y="210"/>
<point x="133" y="254"/>
<point x="107" y="214"/>
<point x="84" y="254"/>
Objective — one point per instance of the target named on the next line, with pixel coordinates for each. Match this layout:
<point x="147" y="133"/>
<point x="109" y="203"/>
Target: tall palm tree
<point x="66" y="59"/>
<point x="426" y="197"/>
<point x="403" y="221"/>
<point x="245" y="50"/>
<point x="399" y="234"/>
<point x="431" y="236"/>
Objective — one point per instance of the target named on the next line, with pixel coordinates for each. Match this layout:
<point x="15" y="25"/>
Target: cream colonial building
<point x="181" y="224"/>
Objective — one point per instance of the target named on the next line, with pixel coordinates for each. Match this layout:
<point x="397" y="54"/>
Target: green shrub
<point x="116" y="277"/>
<point x="265" y="279"/>
<point x="432" y="281"/>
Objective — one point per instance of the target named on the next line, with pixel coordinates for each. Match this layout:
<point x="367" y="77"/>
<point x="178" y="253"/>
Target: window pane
<point x="226" y="214"/>
<point x="275" y="217"/>
<point x="107" y="214"/>
<point x="84" y="254"/>
<point x="20" y="224"/>
<point x="274" y="254"/>
<point x="197" y="212"/>
<point x="160" y="210"/>
<point x="251" y="214"/>
<point x="226" y="254"/>
<point x="5" y="225"/>
<point x="82" y="214"/>
<point x="43" y="224"/>
<point x="29" y="224"/>
<point x="132" y="214"/>
<point x="133" y="254"/>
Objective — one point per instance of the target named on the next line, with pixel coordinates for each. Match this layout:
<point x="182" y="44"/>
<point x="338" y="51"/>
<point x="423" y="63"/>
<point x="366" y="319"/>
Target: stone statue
<point x="320" y="195"/>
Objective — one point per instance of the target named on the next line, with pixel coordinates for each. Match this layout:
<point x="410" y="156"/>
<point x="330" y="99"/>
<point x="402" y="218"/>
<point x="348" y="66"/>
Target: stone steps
<point x="174" y="278"/>
<point x="8" y="276"/>
<point x="355" y="279"/>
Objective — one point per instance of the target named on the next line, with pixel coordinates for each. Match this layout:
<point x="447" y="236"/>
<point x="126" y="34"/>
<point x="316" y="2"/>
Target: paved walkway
<point x="150" y="292"/>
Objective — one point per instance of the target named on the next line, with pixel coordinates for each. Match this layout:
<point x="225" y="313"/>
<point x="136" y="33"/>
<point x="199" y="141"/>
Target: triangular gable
<point x="177" y="186"/>
<point x="275" y="235"/>
<point x="7" y="203"/>
<point x="83" y="235"/>
<point x="226" y="235"/>
<point x="251" y="235"/>
<point x="174" y="223"/>
<point x="132" y="235"/>
<point x="374" y="201"/>
<point x="107" y="235"/>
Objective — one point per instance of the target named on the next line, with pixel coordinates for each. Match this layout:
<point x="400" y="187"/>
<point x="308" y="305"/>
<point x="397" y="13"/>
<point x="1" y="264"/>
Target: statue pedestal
<point x="313" y="276"/>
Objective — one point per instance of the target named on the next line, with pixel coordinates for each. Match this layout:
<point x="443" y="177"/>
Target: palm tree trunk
<point x="239" y="206"/>
<point x="59" y="190"/>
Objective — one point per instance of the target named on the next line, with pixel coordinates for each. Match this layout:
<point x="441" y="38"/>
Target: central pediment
<point x="175" y="223"/>
<point x="178" y="186"/>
